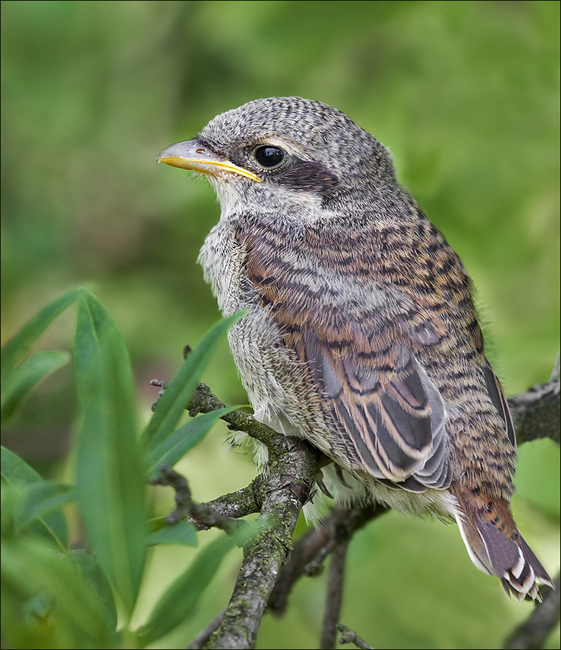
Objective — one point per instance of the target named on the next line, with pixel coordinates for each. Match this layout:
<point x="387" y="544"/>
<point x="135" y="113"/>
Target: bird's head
<point x="282" y="152"/>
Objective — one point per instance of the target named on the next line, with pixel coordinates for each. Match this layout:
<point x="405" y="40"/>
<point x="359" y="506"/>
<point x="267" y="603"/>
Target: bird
<point x="361" y="334"/>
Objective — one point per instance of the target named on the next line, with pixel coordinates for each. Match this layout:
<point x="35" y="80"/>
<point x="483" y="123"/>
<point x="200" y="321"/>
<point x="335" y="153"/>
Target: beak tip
<point x="161" y="157"/>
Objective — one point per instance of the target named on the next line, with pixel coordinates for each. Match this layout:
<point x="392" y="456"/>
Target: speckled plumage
<point x="362" y="335"/>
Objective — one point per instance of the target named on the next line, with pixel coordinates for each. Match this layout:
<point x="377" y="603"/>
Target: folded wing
<point x="389" y="415"/>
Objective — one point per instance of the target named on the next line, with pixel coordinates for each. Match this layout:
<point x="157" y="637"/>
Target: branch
<point x="348" y="636"/>
<point x="334" y="595"/>
<point x="200" y="513"/>
<point x="204" y="401"/>
<point x="536" y="412"/>
<point x="289" y="481"/>
<point x="311" y="548"/>
<point x="202" y="638"/>
<point x="241" y="503"/>
<point x="279" y="494"/>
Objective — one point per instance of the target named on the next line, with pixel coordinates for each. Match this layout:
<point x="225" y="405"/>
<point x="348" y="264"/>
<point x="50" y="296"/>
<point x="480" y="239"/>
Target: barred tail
<point x="496" y="547"/>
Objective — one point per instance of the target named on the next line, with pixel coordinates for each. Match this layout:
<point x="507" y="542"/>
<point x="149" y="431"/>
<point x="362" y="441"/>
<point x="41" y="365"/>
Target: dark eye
<point x="268" y="156"/>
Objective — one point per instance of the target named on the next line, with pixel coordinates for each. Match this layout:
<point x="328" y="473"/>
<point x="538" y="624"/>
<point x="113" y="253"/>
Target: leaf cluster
<point x="55" y="595"/>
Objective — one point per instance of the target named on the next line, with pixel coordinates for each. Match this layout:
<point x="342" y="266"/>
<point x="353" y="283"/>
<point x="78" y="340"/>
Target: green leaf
<point x="171" y="405"/>
<point x="30" y="567"/>
<point x="95" y="577"/>
<point x="109" y="468"/>
<point x="170" y="450"/>
<point x="17" y="347"/>
<point x="39" y="499"/>
<point x="183" y="533"/>
<point x="178" y="602"/>
<point x="16" y="471"/>
<point x="18" y="474"/>
<point x="21" y="380"/>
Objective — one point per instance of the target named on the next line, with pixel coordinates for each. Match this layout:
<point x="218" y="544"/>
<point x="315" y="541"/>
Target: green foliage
<point x="74" y="611"/>
<point x="169" y="450"/>
<point x="182" y="533"/>
<point x="157" y="435"/>
<point x="40" y="499"/>
<point x="18" y="347"/>
<point x="57" y="597"/>
<point x="26" y="376"/>
<point x="109" y="471"/>
<point x="18" y="481"/>
<point x="176" y="606"/>
<point x="19" y="376"/>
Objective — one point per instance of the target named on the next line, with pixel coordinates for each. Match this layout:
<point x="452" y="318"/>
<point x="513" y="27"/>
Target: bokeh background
<point x="466" y="94"/>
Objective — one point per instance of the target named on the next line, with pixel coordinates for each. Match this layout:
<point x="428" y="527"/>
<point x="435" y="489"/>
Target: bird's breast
<point x="277" y="382"/>
<point x="221" y="258"/>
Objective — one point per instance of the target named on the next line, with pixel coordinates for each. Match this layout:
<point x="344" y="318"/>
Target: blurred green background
<point x="465" y="94"/>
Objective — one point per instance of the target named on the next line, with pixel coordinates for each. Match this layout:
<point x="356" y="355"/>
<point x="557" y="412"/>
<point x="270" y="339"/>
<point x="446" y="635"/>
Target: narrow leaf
<point x="172" y="449"/>
<point x="183" y="533"/>
<point x="40" y="499"/>
<point x="18" y="383"/>
<point x="177" y="604"/>
<point x="18" y="474"/>
<point x="109" y="469"/>
<point x="17" y="347"/>
<point x="96" y="578"/>
<point x="171" y="405"/>
<point x="16" y="471"/>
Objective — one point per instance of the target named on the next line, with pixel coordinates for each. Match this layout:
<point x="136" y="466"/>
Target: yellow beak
<point x="192" y="155"/>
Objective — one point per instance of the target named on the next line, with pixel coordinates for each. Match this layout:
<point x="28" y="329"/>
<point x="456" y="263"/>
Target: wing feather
<point x="498" y="398"/>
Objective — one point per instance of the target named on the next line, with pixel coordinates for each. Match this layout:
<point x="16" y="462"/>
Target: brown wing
<point x="389" y="415"/>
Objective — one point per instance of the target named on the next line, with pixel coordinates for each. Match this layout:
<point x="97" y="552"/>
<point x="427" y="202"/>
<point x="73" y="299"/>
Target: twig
<point x="204" y="401"/>
<point x="204" y="635"/>
<point x="348" y="636"/>
<point x="313" y="546"/>
<point x="241" y="503"/>
<point x="334" y="595"/>
<point x="186" y="507"/>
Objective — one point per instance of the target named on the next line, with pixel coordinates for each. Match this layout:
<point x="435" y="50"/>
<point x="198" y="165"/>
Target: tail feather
<point x="523" y="578"/>
<point x="503" y="554"/>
